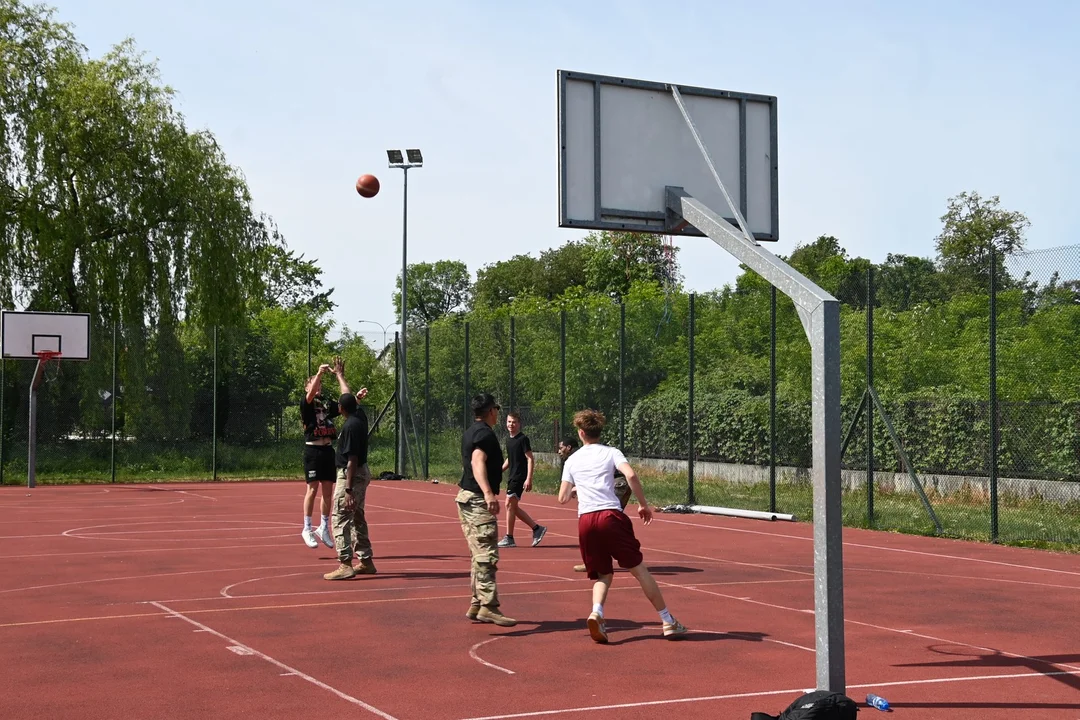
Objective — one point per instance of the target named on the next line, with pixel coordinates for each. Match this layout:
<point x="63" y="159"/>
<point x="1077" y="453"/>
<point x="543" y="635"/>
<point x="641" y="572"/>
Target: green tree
<point x="904" y="281"/>
<point x="498" y="283"/>
<point x="971" y="226"/>
<point x="618" y="259"/>
<point x="435" y="290"/>
<point x="103" y="189"/>
<point x="290" y="281"/>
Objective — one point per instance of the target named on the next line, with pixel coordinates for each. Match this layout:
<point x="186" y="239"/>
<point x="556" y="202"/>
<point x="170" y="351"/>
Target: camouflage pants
<point x="350" y="527"/>
<point x="481" y="530"/>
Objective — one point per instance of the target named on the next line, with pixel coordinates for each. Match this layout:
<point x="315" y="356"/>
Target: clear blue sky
<point x="885" y="110"/>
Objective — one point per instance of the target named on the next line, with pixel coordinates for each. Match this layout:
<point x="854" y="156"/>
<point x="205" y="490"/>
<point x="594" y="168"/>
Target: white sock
<point x="307" y="523"/>
<point x="666" y="616"/>
<point x="598" y="609"/>
<point x="325" y="521"/>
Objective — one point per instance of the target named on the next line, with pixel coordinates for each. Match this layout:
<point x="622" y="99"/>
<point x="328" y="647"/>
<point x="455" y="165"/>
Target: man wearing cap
<point x="478" y="508"/>
<point x="350" y="492"/>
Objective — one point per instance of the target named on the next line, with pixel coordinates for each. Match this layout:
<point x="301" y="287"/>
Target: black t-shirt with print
<point x="353" y="440"/>
<point x="318" y="418"/>
<point x="516" y="447"/>
<point x="481" y="436"/>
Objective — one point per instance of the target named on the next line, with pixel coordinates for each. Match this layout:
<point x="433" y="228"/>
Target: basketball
<point x="367" y="185"/>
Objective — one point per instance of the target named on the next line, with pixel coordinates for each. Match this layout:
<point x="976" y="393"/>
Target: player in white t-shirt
<point x="605" y="532"/>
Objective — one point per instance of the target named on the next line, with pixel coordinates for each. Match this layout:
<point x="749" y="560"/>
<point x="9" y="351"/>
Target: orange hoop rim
<point x="47" y="355"/>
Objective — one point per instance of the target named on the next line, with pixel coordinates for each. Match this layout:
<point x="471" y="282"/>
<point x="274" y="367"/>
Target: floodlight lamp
<point x="395" y="157"/>
<point x="415" y="158"/>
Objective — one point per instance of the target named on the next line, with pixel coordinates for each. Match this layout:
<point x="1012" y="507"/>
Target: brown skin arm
<point x="644" y="511"/>
<point x="479" y="468"/>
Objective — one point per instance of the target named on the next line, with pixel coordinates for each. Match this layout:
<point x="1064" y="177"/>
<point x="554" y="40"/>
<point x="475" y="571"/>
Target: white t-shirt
<point x="592" y="471"/>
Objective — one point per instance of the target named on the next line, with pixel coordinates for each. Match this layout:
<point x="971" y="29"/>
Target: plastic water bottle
<point x="876" y="701"/>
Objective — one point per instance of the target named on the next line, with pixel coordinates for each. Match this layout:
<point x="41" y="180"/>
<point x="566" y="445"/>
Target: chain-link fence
<point x="969" y="438"/>
<point x="970" y="400"/>
<point x="178" y="406"/>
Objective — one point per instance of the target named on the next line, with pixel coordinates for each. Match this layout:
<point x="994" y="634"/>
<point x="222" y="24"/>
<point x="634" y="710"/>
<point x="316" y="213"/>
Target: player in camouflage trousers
<point x="478" y="508"/>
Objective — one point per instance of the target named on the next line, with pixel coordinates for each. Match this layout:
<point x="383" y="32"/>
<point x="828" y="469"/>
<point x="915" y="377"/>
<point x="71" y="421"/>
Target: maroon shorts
<point x="605" y="535"/>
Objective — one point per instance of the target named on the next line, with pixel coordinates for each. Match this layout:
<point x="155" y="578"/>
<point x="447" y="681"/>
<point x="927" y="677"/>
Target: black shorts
<point x="515" y="488"/>
<point x="319" y="463"/>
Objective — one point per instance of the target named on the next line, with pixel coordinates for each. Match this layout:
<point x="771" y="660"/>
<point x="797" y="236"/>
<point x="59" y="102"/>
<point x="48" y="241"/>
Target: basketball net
<point x="50" y="365"/>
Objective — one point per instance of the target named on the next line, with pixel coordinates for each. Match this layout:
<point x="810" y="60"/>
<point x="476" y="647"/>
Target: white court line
<point x="967" y="644"/>
<point x="277" y="663"/>
<point x="140" y="577"/>
<point x="765" y="693"/>
<point x="234" y="546"/>
<point x="736" y="636"/>
<point x="557" y="578"/>
<point x="482" y="661"/>
<point x="873" y="547"/>
<point x="908" y="633"/>
<point x="185" y="492"/>
<point x="805" y="539"/>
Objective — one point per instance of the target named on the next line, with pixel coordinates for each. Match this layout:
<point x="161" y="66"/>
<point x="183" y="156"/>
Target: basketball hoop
<point x="45" y="359"/>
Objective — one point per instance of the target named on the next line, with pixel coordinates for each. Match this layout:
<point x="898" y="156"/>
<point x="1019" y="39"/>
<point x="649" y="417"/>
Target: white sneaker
<point x="324" y="535"/>
<point x="309" y="538"/>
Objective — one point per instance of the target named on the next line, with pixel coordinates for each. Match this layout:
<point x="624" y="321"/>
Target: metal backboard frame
<point x="818" y="311"/>
<point x="24" y="333"/>
<point x="746" y="168"/>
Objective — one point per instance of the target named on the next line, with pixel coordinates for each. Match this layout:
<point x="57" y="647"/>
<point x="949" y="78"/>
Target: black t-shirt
<point x="479" y="435"/>
<point x="318" y="419"/>
<point x="516" y="447"/>
<point x="353" y="440"/>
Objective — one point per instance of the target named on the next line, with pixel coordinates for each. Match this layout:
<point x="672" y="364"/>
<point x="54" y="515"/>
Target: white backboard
<point x="23" y="334"/>
<point x="623" y="141"/>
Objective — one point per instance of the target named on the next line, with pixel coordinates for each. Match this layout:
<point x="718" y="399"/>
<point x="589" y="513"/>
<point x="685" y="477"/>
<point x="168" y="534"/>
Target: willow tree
<point x="110" y="205"/>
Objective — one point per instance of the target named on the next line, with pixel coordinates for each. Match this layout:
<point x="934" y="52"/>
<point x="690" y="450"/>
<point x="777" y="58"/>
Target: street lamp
<point x="384" y="328"/>
<point x="412" y="159"/>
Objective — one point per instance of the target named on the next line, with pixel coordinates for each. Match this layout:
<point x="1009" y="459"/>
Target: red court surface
<point x="194" y="601"/>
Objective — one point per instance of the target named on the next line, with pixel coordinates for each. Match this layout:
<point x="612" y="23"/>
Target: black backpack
<point x="818" y="705"/>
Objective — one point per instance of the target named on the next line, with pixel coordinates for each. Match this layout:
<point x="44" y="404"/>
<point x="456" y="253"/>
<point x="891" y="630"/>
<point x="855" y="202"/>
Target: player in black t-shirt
<point x="478" y="508"/>
<point x="519" y="461"/>
<point x="317" y="415"/>
<point x="350" y="494"/>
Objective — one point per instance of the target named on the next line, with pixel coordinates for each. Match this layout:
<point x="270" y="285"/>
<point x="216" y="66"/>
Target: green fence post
<point x="690" y="411"/>
<point x="622" y="375"/>
<point x="468" y="410"/>
<point x="112" y="450"/>
<point x="870" y="406"/>
<point x="3" y="383"/>
<point x="399" y="424"/>
<point x="993" y="400"/>
<point x="213" y="436"/>
<point x="562" y="373"/>
<point x="772" y="402"/>
<point x="513" y="350"/>
<point x="427" y="400"/>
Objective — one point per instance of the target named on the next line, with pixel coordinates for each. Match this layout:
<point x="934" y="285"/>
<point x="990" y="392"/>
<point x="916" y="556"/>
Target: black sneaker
<point x="507" y="541"/>
<point x="538" y="534"/>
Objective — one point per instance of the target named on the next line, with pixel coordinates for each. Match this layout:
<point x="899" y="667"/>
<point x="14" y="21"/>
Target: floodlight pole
<point x="820" y="315"/>
<point x="403" y="375"/>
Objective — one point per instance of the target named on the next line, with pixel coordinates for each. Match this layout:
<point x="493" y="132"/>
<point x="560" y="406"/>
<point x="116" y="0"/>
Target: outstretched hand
<point x="362" y="394"/>
<point x="339" y="366"/>
<point x="645" y="513"/>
